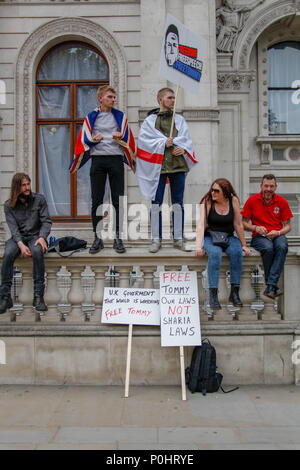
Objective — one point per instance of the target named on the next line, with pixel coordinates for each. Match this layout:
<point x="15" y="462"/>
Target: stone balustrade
<point x="74" y="287"/>
<point x="68" y="344"/>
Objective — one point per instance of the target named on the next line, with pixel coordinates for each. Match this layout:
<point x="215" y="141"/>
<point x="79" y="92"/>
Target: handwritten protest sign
<point x="131" y="306"/>
<point x="179" y="307"/>
<point x="182" y="55"/>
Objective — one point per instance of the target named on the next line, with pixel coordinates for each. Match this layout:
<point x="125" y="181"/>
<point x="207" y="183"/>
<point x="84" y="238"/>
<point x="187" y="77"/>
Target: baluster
<point x="223" y="294"/>
<point x="149" y="276"/>
<point x="52" y="295"/>
<point x="202" y="283"/>
<point x="76" y="295"/>
<point x="98" y="291"/>
<point x="124" y="275"/>
<point x="257" y="283"/>
<point x="63" y="280"/>
<point x="17" y="307"/>
<point x="26" y="295"/>
<point x="247" y="296"/>
<point x="269" y="312"/>
<point x="205" y="304"/>
<point x="88" y="285"/>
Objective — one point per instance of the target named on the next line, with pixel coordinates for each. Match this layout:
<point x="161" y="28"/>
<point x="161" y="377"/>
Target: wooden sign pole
<point x="174" y="110"/>
<point x="182" y="369"/>
<point x="128" y="361"/>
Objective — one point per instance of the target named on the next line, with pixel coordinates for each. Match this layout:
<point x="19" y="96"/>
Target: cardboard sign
<point x="182" y="55"/>
<point x="179" y="308"/>
<point x="130" y="306"/>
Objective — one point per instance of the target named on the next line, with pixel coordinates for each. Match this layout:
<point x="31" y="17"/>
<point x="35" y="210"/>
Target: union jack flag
<point x="85" y="141"/>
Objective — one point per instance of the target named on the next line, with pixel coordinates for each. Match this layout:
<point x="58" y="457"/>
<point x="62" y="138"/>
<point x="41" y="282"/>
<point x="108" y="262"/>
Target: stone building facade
<point x="228" y="118"/>
<point x="244" y="123"/>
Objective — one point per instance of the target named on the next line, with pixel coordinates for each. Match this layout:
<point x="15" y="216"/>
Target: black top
<point x="28" y="221"/>
<point x="221" y="223"/>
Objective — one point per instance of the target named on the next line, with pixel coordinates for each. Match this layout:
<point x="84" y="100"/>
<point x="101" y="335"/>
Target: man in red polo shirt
<point x="270" y="217"/>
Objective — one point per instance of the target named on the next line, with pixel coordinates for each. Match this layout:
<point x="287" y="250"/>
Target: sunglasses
<point x="213" y="190"/>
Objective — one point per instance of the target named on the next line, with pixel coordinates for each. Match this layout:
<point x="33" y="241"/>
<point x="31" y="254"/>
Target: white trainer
<point x="155" y="246"/>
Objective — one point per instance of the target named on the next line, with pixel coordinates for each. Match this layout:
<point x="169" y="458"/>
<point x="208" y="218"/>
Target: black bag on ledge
<point x="67" y="244"/>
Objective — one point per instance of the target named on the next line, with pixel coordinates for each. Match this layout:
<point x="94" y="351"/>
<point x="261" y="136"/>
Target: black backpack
<point x="67" y="243"/>
<point x="202" y="375"/>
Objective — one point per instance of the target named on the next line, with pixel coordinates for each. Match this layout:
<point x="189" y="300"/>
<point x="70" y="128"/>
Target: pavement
<point x="151" y="418"/>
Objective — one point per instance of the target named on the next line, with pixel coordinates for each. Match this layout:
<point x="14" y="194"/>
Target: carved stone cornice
<point x="41" y="40"/>
<point x="235" y="81"/>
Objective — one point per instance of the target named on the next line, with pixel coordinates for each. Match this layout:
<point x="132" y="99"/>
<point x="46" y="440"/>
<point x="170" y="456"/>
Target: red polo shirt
<point x="269" y="215"/>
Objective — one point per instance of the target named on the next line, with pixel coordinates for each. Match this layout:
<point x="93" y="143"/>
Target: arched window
<point x="67" y="80"/>
<point x="283" y="81"/>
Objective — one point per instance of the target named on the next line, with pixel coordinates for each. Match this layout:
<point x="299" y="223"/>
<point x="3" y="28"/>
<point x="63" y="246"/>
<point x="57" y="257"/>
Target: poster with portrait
<point x="182" y="55"/>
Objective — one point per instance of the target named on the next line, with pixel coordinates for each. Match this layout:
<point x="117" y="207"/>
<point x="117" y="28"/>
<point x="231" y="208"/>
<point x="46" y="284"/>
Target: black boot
<point x="96" y="246"/>
<point x="213" y="299"/>
<point x="39" y="303"/>
<point x="5" y="303"/>
<point x="118" y="246"/>
<point x="234" y="297"/>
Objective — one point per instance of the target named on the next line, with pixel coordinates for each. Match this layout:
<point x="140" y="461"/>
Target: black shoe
<point x="96" y="246"/>
<point x="39" y="303"/>
<point x="118" y="246"/>
<point x="270" y="291"/>
<point x="213" y="299"/>
<point x="5" y="303"/>
<point x="234" y="297"/>
<point x="278" y="292"/>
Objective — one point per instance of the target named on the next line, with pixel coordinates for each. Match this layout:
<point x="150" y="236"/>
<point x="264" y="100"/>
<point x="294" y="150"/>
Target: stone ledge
<point x="258" y="328"/>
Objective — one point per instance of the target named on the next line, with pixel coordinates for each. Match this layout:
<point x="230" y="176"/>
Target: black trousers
<point x="10" y="254"/>
<point x="103" y="165"/>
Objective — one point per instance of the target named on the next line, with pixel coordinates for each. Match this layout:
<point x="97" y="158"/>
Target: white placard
<point x="179" y="309"/>
<point x="182" y="55"/>
<point x="131" y="306"/>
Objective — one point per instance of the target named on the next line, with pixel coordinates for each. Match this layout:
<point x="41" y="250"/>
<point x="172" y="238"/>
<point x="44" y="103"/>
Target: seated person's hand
<point x="200" y="252"/>
<point x="41" y="241"/>
<point x="25" y="251"/>
<point x="247" y="251"/>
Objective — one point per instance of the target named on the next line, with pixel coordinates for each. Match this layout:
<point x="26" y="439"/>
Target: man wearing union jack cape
<point x="106" y="138"/>
<point x="161" y="158"/>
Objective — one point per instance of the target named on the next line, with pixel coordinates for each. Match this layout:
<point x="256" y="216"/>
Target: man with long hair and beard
<point x="28" y="219"/>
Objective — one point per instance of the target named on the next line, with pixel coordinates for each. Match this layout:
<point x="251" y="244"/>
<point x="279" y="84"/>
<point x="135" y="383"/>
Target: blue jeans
<point x="214" y="253"/>
<point x="10" y="254"/>
<point x="177" y="183"/>
<point x="273" y="253"/>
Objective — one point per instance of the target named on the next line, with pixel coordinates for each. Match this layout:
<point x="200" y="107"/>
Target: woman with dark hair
<point x="220" y="211"/>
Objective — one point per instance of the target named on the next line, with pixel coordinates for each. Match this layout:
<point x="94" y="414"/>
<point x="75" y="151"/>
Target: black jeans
<point x="10" y="254"/>
<point x="103" y="165"/>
